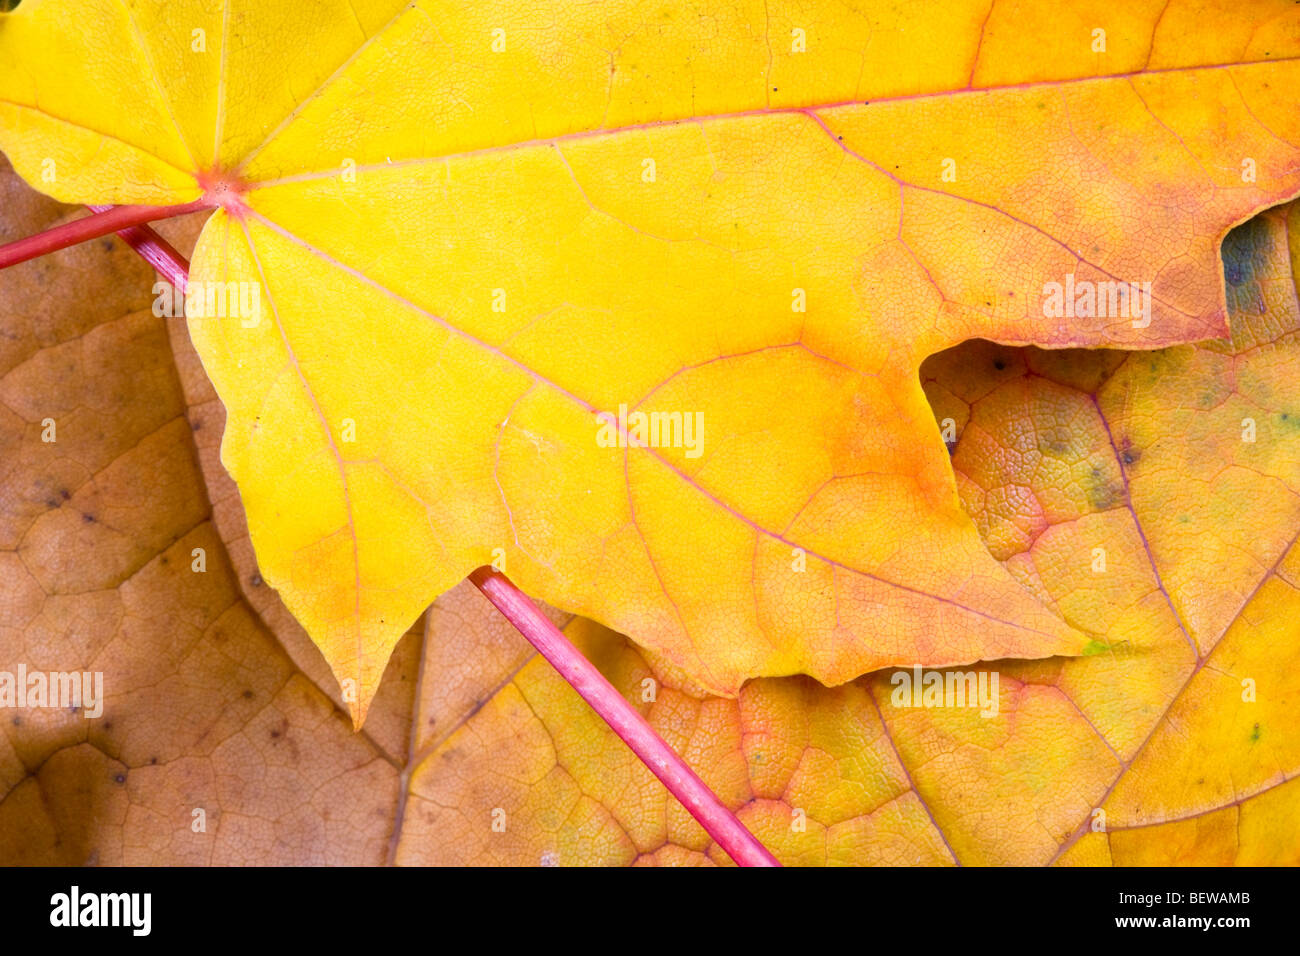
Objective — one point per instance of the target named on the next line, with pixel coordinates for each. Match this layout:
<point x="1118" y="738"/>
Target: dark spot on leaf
<point x="1245" y="255"/>
<point x="248" y="695"/>
<point x="1054" y="441"/>
<point x="120" y="778"/>
<point x="1254" y="736"/>
<point x="255" y="580"/>
<point x="1103" y="494"/>
<point x="88" y="518"/>
<point x="999" y="364"/>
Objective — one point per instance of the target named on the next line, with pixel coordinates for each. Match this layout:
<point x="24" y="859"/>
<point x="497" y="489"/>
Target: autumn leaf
<point x="210" y="746"/>
<point x="474" y="235"/>
<point x="497" y="736"/>
<point x="1173" y="745"/>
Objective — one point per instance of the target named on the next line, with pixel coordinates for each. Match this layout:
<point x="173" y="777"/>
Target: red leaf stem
<point x="664" y="762"/>
<point x="111" y="219"/>
<point x="156" y="251"/>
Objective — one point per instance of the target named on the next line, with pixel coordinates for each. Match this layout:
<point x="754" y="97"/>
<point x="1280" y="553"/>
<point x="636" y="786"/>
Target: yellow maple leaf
<point x="1174" y="746"/>
<point x="470" y="243"/>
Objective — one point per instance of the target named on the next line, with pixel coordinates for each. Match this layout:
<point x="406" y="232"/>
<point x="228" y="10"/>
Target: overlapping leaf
<point x="1154" y="731"/>
<point x="475" y="228"/>
<point x="212" y="748"/>
<point x="1175" y="744"/>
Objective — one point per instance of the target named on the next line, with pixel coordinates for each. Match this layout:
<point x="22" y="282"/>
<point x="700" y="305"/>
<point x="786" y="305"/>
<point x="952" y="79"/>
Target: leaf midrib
<point x="581" y="134"/>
